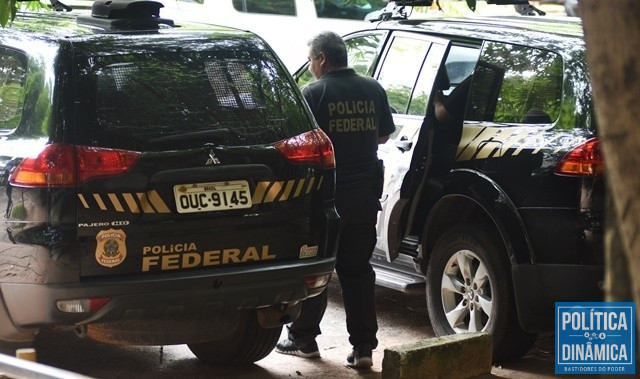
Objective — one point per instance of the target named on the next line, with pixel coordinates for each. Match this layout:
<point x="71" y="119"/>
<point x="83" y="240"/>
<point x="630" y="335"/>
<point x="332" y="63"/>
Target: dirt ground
<point x="402" y="319"/>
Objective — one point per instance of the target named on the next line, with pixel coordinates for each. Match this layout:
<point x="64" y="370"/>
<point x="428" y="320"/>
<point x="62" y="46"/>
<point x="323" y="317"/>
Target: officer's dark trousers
<point x="358" y="212"/>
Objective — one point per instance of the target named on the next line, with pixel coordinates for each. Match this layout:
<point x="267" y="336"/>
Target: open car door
<point x="408" y="72"/>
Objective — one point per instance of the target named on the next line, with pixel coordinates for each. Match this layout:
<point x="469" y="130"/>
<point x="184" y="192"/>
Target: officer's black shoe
<point x="304" y="350"/>
<point x="360" y="357"/>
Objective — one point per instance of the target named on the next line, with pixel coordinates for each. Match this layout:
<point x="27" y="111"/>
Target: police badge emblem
<point x="111" y="249"/>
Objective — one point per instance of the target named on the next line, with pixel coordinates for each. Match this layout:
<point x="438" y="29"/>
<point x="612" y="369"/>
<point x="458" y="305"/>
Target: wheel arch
<point x="470" y="196"/>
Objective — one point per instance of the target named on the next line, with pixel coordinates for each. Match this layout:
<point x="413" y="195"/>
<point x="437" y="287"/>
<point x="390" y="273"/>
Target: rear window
<point x="148" y="101"/>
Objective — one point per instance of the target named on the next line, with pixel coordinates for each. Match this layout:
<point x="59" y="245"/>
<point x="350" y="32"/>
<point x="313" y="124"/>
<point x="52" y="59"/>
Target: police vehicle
<point x="159" y="184"/>
<point x="500" y="215"/>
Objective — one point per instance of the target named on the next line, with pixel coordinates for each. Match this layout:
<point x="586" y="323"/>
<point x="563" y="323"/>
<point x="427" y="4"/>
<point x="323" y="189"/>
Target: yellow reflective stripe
<point x="131" y="202"/>
<point x="515" y="137"/>
<point x="546" y="143"/>
<point x="144" y="203"/>
<point x="100" y="202"/>
<point x="472" y="148"/>
<point x="320" y="182"/>
<point x="522" y="146"/>
<point x="83" y="201"/>
<point x="115" y="202"/>
<point x="157" y="202"/>
<point x="299" y="188"/>
<point x="313" y="179"/>
<point x="273" y="192"/>
<point x="258" y="194"/>
<point x="488" y="148"/>
<point x="287" y="190"/>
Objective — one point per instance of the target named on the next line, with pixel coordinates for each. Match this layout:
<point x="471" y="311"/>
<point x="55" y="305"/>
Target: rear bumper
<point x="538" y="287"/>
<point x="31" y="306"/>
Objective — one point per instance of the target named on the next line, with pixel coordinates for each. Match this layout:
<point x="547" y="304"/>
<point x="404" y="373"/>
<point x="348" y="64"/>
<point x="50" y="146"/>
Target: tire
<point x="479" y="298"/>
<point x="248" y="344"/>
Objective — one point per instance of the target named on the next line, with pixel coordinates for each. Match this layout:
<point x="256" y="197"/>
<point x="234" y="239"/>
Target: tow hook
<point x="278" y="314"/>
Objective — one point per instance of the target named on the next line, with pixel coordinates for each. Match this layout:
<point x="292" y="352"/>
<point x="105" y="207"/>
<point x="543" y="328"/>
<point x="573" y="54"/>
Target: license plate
<point x="209" y="197"/>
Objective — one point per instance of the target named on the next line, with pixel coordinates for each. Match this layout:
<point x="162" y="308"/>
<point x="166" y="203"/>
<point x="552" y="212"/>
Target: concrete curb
<point x="455" y="356"/>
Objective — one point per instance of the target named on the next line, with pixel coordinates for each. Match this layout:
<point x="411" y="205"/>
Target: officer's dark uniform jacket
<point x="353" y="117"/>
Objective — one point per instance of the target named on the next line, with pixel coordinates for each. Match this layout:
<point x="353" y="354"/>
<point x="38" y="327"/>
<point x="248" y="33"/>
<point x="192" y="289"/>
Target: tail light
<point x="313" y="147"/>
<point x="91" y="305"/>
<point x="584" y="160"/>
<point x="55" y="166"/>
<point x="95" y="162"/>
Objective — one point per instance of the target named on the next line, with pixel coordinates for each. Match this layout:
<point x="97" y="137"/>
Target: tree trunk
<point x="612" y="34"/>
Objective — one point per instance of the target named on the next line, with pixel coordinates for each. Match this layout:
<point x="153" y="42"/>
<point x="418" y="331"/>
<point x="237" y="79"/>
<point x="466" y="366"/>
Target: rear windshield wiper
<point x="213" y="135"/>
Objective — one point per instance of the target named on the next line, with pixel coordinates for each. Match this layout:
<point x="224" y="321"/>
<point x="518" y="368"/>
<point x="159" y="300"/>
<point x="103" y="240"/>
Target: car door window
<point x="516" y="84"/>
<point x="420" y="97"/>
<point x="400" y="70"/>
<point x="13" y="73"/>
<point x="281" y="7"/>
<point x="362" y="52"/>
<point x="348" y="9"/>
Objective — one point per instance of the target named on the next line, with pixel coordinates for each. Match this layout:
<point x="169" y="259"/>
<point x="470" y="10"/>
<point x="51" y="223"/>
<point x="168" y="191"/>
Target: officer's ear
<point x="324" y="62"/>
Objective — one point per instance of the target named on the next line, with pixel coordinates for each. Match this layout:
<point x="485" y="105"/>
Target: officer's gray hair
<point x="333" y="47"/>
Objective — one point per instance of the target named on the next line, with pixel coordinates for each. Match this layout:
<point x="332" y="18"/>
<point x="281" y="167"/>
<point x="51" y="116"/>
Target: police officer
<point x="354" y="112"/>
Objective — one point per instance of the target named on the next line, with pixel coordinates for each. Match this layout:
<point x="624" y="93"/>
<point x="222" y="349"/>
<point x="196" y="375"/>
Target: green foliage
<point x="7" y="11"/>
<point x="9" y="8"/>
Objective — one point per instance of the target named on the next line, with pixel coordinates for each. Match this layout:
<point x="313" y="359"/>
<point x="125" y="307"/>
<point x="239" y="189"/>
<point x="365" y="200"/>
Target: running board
<point x="398" y="280"/>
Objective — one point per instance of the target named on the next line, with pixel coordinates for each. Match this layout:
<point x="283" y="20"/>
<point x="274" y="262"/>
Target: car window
<point x="420" y="96"/>
<point x="238" y="97"/>
<point x="516" y="84"/>
<point x="348" y="9"/>
<point x="460" y="63"/>
<point x="400" y="70"/>
<point x="362" y="52"/>
<point x="281" y="7"/>
<point x="13" y="73"/>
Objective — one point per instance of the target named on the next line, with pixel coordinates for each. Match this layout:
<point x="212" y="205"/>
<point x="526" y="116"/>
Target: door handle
<point x="404" y="144"/>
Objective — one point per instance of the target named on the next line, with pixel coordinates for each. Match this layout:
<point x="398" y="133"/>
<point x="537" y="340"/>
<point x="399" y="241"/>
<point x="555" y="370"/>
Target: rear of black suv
<point x="158" y="187"/>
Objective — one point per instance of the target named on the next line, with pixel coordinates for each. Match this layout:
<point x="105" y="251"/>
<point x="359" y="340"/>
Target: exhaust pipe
<point x="81" y="331"/>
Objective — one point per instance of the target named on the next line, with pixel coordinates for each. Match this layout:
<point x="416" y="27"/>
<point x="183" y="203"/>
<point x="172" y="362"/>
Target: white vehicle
<point x="286" y="25"/>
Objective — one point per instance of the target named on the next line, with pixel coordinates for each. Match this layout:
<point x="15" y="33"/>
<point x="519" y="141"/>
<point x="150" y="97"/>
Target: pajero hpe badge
<point x="159" y="178"/>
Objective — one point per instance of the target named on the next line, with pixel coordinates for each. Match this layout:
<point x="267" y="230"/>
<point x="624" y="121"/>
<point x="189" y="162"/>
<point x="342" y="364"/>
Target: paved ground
<point x="402" y="319"/>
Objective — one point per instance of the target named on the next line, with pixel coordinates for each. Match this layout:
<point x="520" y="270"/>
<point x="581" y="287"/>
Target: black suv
<point x="158" y="184"/>
<point x="500" y="214"/>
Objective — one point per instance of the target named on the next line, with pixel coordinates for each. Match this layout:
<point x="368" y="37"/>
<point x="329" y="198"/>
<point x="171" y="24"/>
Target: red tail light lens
<point x="584" y="160"/>
<point x="95" y="162"/>
<point x="313" y="147"/>
<point x="53" y="167"/>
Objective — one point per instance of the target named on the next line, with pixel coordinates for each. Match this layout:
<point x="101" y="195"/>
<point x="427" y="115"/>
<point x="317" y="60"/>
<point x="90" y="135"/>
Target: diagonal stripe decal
<point x="144" y="202"/>
<point x="273" y="192"/>
<point x="152" y="202"/>
<point x="101" y="204"/>
<point x="83" y="200"/>
<point x="258" y="194"/>
<point x="157" y="202"/>
<point x="131" y="202"/>
<point x="115" y="202"/>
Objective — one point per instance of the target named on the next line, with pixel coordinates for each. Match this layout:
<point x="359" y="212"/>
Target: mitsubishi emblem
<point x="212" y="158"/>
